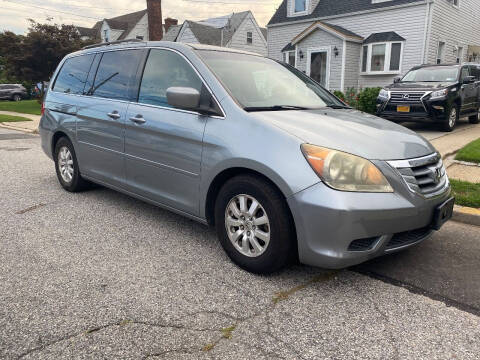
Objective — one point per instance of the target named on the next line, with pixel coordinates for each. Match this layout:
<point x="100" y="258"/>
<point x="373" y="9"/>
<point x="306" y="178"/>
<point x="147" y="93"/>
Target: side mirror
<point x="183" y="98"/>
<point x="469" y="79"/>
<point x="397" y="79"/>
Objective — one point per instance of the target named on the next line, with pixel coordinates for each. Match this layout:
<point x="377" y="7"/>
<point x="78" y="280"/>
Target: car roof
<point x="435" y="65"/>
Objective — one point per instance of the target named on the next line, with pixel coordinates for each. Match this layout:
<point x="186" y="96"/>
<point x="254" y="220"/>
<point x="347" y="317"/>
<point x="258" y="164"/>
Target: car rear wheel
<point x="254" y="225"/>
<point x="452" y="119"/>
<point x="16" y="97"/>
<point x="474" y="118"/>
<point x="66" y="165"/>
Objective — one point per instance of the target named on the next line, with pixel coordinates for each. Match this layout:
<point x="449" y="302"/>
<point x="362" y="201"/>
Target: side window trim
<point x="208" y="89"/>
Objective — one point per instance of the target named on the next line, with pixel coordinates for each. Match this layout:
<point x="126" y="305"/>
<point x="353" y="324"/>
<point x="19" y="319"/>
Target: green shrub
<point x="351" y="97"/>
<point x="339" y="94"/>
<point x="367" y="100"/>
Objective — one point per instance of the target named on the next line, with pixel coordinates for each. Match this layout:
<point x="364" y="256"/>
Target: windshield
<point x="432" y="74"/>
<point x="258" y="83"/>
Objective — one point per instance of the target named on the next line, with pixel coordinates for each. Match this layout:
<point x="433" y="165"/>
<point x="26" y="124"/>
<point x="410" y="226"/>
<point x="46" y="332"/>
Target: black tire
<point x="447" y="126"/>
<point x="16" y="97"/>
<point x="474" y="118"/>
<point x="77" y="183"/>
<point x="281" y="249"/>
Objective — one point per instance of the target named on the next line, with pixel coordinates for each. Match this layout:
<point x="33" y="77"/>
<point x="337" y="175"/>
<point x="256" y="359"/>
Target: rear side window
<point x="73" y="75"/>
<point x="465" y="73"/>
<point x="475" y="71"/>
<point x="115" y="74"/>
<point x="165" y="69"/>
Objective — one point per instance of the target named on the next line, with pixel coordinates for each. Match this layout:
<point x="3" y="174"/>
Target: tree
<point x="34" y="57"/>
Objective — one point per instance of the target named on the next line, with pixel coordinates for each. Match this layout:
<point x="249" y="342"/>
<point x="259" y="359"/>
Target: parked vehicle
<point x="279" y="165"/>
<point x="433" y="93"/>
<point x="15" y="92"/>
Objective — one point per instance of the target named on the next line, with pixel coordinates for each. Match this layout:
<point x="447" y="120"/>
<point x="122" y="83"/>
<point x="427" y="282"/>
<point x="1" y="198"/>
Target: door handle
<point x="114" y="115"/>
<point x="138" y="119"/>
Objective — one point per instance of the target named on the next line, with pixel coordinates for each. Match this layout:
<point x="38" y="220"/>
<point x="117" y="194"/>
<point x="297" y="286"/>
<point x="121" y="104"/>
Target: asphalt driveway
<point x="101" y="275"/>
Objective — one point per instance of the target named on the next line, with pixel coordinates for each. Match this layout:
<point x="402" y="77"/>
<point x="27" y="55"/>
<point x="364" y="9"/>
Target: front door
<point x="163" y="145"/>
<point x="319" y="67"/>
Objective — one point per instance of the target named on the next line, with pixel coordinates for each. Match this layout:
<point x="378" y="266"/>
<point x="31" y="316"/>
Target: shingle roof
<point x="288" y="47"/>
<point x="384" y="36"/>
<point x="172" y="33"/>
<point x="334" y="29"/>
<point x="205" y="34"/>
<point x="83" y="31"/>
<point x="334" y="7"/>
<point x="264" y="32"/>
<point x="342" y="30"/>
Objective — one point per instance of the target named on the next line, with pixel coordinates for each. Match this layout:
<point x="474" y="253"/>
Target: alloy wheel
<point x="248" y="226"/>
<point x="453" y="118"/>
<point x="65" y="164"/>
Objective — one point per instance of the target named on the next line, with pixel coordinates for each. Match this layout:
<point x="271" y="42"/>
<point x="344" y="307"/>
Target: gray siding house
<point x="367" y="43"/>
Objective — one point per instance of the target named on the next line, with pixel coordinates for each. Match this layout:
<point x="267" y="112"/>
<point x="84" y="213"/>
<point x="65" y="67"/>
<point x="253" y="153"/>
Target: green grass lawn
<point x="470" y="153"/>
<point x="10" y="118"/>
<point x="25" y="106"/>
<point x="467" y="194"/>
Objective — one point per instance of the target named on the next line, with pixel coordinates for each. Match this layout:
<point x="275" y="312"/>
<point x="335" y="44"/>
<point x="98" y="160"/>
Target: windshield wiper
<point x="274" y="108"/>
<point x="335" y="106"/>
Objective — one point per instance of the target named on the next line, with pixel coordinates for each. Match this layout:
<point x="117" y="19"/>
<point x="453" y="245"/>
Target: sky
<point x="14" y="14"/>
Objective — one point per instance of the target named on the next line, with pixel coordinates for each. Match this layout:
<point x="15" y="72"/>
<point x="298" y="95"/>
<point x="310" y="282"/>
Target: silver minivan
<point x="283" y="169"/>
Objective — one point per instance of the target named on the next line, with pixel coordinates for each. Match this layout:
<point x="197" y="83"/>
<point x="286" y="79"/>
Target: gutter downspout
<point x="427" y="30"/>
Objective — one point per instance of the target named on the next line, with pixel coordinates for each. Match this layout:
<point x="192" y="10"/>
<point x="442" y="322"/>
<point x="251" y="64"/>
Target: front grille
<point x="426" y="176"/>
<point x="408" y="238"/>
<point x="406" y="97"/>
<point x="362" y="244"/>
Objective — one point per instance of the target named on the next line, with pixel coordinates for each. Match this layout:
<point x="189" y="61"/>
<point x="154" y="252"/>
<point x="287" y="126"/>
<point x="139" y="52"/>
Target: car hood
<point x="351" y="131"/>
<point x="419" y="86"/>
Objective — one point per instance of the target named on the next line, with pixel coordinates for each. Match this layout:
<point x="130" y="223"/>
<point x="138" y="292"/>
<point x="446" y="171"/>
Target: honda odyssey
<point x="283" y="169"/>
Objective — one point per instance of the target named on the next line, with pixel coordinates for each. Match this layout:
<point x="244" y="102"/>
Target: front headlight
<point x="439" y="94"/>
<point x="345" y="172"/>
<point x="383" y="94"/>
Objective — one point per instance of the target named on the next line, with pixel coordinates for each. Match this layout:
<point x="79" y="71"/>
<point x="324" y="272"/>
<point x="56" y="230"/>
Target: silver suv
<point x="283" y="169"/>
<point x="15" y="92"/>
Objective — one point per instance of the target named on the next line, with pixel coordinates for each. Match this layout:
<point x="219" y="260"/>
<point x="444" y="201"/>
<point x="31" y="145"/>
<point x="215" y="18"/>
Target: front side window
<point x="465" y="73"/>
<point x="73" y="75"/>
<point x="382" y="57"/>
<point x="115" y="74"/>
<point x="265" y="83"/>
<point x="300" y="6"/>
<point x="165" y="69"/>
<point x="432" y="74"/>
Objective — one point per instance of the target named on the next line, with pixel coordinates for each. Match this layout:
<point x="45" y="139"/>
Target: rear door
<point x="2" y="91"/>
<point x="475" y="71"/>
<point x="163" y="145"/>
<point x="102" y="114"/>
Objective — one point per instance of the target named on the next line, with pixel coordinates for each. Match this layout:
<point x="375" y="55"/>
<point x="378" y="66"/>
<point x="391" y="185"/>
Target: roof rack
<point x="113" y="43"/>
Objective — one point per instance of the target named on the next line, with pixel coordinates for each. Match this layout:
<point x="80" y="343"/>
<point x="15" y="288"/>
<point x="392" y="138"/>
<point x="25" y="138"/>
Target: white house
<point x="238" y="31"/>
<point x="366" y="43"/>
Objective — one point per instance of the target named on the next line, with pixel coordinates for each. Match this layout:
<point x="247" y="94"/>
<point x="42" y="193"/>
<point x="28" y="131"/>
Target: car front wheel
<point x="16" y="97"/>
<point x="452" y="119"/>
<point x="254" y="225"/>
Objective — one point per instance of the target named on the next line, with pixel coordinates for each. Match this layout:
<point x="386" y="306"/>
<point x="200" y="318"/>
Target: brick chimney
<point x="155" y="26"/>
<point x="169" y="22"/>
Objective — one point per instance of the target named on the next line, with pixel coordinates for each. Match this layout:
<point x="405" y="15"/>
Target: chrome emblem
<point x="438" y="175"/>
<point x="406" y="96"/>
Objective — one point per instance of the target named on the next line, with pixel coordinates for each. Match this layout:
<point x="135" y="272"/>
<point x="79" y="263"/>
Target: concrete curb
<point x="18" y="128"/>
<point x="466" y="215"/>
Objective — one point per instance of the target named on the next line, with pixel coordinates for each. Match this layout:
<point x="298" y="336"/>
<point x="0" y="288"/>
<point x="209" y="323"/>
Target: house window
<point x="440" y="52"/>
<point x="139" y="37"/>
<point x="249" y="38"/>
<point x="382" y="58"/>
<point x="299" y="7"/>
<point x="290" y="57"/>
<point x="106" y="35"/>
<point x="456" y="3"/>
<point x="459" y="55"/>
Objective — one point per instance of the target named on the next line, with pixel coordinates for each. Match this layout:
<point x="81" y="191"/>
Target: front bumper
<point x="329" y="222"/>
<point x="429" y="111"/>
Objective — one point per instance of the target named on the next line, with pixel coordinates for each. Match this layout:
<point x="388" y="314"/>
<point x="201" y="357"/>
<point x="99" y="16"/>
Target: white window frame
<point x="453" y="3"/>
<point x="388" y="52"/>
<point x="251" y="37"/>
<point x="460" y="54"/>
<point x="286" y="55"/>
<point x="299" y="13"/>
<point x="439" y="56"/>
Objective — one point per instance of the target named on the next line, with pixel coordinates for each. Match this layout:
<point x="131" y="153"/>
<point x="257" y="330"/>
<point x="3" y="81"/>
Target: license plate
<point x="443" y="213"/>
<point x="403" y="108"/>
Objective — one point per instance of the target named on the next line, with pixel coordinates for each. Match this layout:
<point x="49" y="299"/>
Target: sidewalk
<point x="27" y="126"/>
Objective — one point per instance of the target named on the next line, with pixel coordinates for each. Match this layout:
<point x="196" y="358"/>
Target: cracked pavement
<point x="102" y="275"/>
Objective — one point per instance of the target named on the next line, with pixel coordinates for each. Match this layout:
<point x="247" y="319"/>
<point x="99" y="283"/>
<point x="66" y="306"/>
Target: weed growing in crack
<point x="227" y="332"/>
